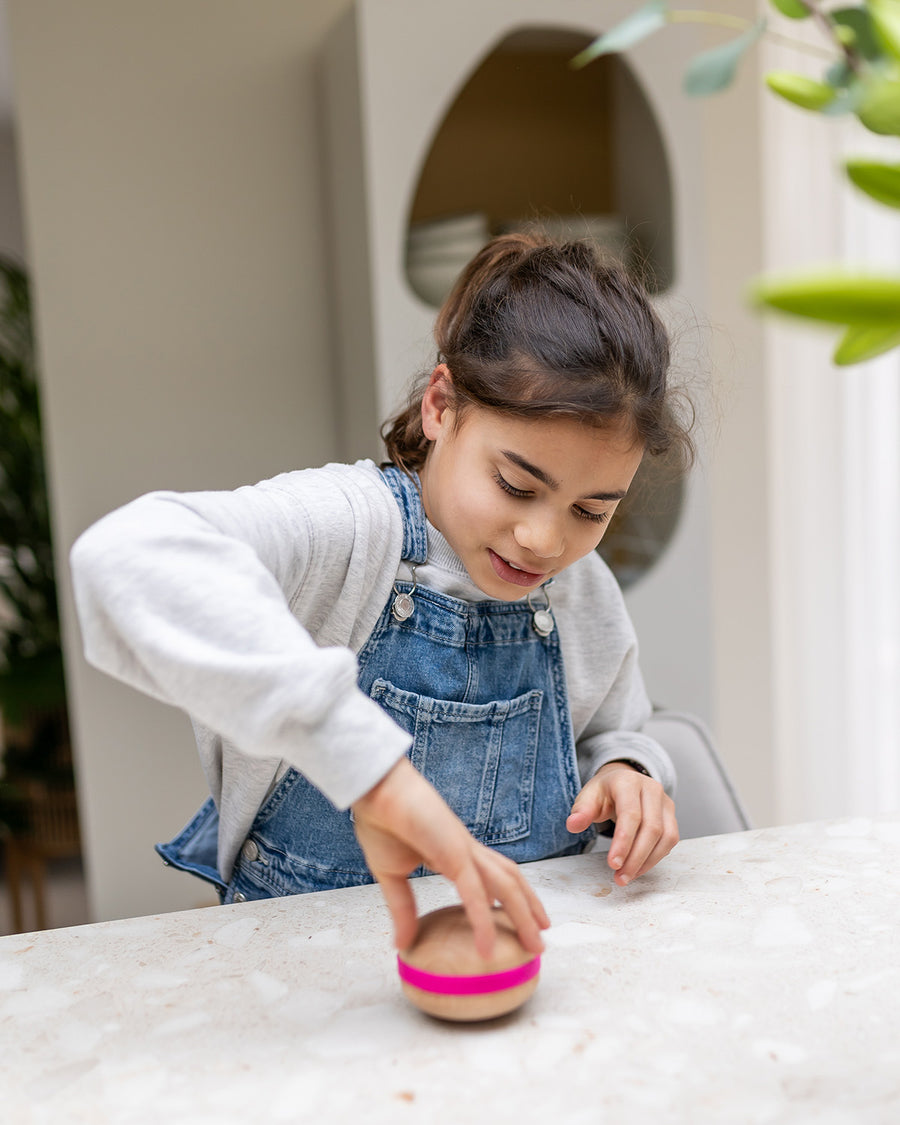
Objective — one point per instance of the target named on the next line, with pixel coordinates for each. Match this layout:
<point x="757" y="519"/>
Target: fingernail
<point x="623" y="880"/>
<point x="615" y="861"/>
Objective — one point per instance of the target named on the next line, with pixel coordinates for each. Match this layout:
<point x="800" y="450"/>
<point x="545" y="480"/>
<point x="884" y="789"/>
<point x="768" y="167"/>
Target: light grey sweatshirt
<point x="247" y="609"/>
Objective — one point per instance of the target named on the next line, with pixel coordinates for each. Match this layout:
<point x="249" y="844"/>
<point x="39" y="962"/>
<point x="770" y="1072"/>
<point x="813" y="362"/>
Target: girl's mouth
<point x="510" y="573"/>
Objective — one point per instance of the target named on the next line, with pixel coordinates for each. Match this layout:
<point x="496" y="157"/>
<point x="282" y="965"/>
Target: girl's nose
<point x="542" y="538"/>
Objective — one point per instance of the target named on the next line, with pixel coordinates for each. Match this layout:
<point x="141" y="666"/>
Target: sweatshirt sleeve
<point x="197" y="599"/>
<point x="610" y="701"/>
<point x="614" y="732"/>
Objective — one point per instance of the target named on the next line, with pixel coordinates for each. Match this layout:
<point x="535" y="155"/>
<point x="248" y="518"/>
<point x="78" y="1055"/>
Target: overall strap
<point x="409" y="500"/>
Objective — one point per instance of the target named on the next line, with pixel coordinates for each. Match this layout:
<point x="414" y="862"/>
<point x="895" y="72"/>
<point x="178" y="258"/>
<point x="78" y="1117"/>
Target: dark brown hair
<point x="534" y="328"/>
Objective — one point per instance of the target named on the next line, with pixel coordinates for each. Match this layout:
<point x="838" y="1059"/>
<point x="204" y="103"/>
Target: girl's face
<point x="518" y="499"/>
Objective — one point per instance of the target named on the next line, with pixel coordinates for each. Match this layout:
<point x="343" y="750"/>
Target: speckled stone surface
<point x="751" y="979"/>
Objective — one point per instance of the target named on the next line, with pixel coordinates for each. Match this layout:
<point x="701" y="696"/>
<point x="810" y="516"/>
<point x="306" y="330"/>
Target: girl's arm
<point x="628" y="777"/>
<point x="191" y="598"/>
<point x="614" y="731"/>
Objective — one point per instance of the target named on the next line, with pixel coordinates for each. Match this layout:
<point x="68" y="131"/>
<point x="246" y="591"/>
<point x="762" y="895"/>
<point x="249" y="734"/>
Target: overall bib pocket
<point x="481" y="757"/>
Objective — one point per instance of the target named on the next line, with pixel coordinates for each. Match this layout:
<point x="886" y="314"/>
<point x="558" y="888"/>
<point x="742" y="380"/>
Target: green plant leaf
<point x="834" y="296"/>
<point x="865" y="341"/>
<point x="846" y="36"/>
<point x="715" y="70"/>
<point x="881" y="181"/>
<point x="800" y="90"/>
<point x="793" y="9"/>
<point x="879" y="108"/>
<point x="860" y="23"/>
<point x="630" y="31"/>
<point x="886" y="19"/>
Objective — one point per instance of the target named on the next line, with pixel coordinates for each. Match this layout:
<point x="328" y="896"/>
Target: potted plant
<point x="36" y="755"/>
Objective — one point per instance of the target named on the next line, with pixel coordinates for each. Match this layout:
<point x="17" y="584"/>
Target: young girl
<point x="426" y="665"/>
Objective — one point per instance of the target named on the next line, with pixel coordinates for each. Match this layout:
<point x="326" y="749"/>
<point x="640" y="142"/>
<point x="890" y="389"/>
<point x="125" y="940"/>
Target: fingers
<point x="403" y="822"/>
<point x="646" y="827"/>
<point x="485" y="877"/>
<point x="646" y="831"/>
<point x="401" y="903"/>
<point x="592" y="806"/>
<point x="506" y="883"/>
<point x="477" y="903"/>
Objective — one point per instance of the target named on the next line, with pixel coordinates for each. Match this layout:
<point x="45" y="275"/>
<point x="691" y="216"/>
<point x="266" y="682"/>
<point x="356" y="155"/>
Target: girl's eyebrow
<point x="545" y="478"/>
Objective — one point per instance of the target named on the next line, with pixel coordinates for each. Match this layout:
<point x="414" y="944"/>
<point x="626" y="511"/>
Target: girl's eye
<point x="581" y="513"/>
<point x="595" y="517"/>
<point x="507" y="487"/>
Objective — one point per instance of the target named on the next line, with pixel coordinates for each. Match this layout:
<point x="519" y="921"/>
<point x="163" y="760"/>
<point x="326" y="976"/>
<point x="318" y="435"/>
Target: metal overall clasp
<point x="403" y="605"/>
<point x="542" y="618"/>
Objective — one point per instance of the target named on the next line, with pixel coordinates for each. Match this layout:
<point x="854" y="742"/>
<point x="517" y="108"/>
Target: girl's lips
<point x="511" y="574"/>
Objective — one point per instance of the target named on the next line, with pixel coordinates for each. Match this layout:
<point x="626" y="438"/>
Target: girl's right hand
<point x="402" y="823"/>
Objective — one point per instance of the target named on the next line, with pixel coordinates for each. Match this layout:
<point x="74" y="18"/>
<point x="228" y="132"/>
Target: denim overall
<point x="483" y="695"/>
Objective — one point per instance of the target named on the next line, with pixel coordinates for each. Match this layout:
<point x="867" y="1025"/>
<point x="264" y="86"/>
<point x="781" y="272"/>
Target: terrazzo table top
<point x="751" y="978"/>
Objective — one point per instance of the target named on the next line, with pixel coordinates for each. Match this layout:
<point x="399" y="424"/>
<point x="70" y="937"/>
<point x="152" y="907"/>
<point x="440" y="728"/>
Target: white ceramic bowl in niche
<point x="433" y="280"/>
<point x="608" y="232"/>
<point x="438" y="232"/>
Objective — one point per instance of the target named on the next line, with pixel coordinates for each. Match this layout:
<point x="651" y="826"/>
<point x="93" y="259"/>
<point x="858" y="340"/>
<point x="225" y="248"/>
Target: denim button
<point x="250" y="851"/>
<point x="238" y="897"/>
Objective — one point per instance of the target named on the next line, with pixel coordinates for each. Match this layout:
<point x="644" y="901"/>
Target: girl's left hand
<point x="646" y="828"/>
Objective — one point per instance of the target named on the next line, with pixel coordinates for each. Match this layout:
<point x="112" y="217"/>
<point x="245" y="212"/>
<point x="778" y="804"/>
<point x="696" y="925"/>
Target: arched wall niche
<point x="528" y="140"/>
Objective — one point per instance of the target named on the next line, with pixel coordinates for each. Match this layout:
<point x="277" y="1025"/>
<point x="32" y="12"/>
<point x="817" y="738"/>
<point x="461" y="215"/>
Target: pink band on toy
<point x="468" y="986"/>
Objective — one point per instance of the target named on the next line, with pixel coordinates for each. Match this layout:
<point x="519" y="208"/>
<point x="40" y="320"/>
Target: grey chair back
<point x="706" y="800"/>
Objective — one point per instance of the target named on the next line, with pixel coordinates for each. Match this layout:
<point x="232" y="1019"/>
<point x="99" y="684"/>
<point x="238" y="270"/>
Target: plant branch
<point x="738" y="23"/>
<point x="719" y="19"/>
<point x="827" y="25"/>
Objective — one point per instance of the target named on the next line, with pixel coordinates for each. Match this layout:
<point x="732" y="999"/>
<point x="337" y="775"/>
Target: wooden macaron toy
<point x="443" y="974"/>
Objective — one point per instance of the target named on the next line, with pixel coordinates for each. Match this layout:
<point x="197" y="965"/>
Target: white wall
<point x="834" y="436"/>
<point x="738" y="444"/>
<point x="12" y="239"/>
<point x="170" y="171"/>
<point x="806" y="473"/>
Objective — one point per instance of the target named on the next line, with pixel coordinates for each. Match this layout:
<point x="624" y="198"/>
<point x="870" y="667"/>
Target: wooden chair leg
<point x="14" y="876"/>
<point x="37" y="884"/>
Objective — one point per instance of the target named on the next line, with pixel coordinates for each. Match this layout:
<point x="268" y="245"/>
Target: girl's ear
<point x="436" y="409"/>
